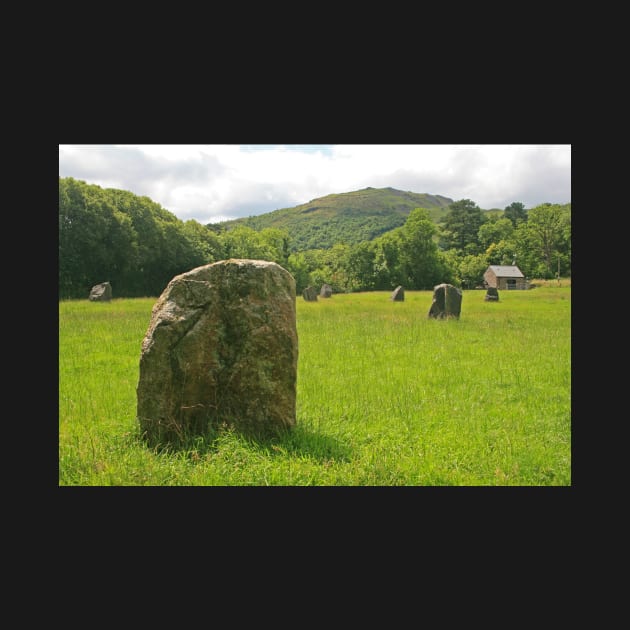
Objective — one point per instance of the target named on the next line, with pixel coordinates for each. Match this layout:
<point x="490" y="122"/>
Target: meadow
<point x="385" y="397"/>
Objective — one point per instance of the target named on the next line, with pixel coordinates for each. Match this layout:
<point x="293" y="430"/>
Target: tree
<point x="204" y="242"/>
<point x="538" y="244"/>
<point x="419" y="253"/>
<point x="329" y="266"/>
<point x="548" y="232"/>
<point x="153" y="267"/>
<point x="277" y="242"/>
<point x="97" y="242"/>
<point x="114" y="235"/>
<point x="360" y="267"/>
<point x="297" y="266"/>
<point x="494" y="231"/>
<point x="245" y="242"/>
<point x="388" y="272"/>
<point x="460" y="228"/>
<point x="515" y="212"/>
<point x="450" y="264"/>
<point x="505" y="252"/>
<point x="471" y="270"/>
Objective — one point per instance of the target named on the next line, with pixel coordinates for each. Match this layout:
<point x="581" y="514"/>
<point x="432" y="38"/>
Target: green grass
<point x="385" y="396"/>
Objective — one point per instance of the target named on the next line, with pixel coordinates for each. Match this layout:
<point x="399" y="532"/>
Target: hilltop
<point x="349" y="218"/>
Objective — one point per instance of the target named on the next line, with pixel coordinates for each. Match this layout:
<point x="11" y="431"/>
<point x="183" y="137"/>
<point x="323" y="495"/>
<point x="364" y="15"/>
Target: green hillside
<point x="347" y="218"/>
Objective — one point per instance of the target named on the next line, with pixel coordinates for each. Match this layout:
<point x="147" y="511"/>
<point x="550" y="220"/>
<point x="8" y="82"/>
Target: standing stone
<point x="310" y="294"/>
<point x="101" y="292"/>
<point x="221" y="350"/>
<point x="447" y="302"/>
<point x="398" y="295"/>
<point x="492" y="295"/>
<point x="326" y="290"/>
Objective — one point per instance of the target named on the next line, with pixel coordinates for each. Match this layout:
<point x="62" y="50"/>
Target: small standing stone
<point x="447" y="302"/>
<point x="326" y="290"/>
<point x="492" y="295"/>
<point x="398" y="294"/>
<point x="310" y="294"/>
<point x="101" y="292"/>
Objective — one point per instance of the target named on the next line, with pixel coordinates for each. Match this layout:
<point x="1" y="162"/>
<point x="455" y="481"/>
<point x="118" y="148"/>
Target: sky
<point x="211" y="183"/>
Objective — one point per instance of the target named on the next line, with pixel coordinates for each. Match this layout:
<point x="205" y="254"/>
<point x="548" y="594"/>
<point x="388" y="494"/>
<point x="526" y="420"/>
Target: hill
<point x="347" y="218"/>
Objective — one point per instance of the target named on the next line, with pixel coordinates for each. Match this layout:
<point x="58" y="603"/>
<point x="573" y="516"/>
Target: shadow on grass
<point x="298" y="441"/>
<point x="303" y="442"/>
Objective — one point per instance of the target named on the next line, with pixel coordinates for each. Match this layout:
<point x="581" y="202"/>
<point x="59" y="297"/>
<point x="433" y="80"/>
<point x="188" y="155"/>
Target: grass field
<point x="385" y="397"/>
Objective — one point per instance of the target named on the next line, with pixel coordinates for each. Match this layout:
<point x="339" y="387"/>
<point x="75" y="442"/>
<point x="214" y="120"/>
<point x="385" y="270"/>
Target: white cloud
<point x="211" y="183"/>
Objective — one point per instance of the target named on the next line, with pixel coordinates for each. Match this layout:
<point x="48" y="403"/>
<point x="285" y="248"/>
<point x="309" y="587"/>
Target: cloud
<point x="211" y="183"/>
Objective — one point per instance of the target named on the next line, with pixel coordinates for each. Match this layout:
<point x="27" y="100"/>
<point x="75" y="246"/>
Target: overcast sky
<point x="212" y="183"/>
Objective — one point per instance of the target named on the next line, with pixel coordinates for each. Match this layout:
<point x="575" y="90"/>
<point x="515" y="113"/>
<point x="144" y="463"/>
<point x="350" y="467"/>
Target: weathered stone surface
<point x="101" y="292"/>
<point x="398" y="294"/>
<point x="221" y="349"/>
<point x="326" y="291"/>
<point x="310" y="294"/>
<point x="447" y="302"/>
<point x="492" y="295"/>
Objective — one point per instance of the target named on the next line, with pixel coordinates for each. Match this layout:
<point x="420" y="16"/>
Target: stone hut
<point x="505" y="277"/>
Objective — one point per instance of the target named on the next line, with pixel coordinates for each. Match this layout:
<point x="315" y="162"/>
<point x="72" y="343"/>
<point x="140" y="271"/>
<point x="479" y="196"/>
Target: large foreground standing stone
<point x="447" y="302"/>
<point x="101" y="292"/>
<point x="221" y="349"/>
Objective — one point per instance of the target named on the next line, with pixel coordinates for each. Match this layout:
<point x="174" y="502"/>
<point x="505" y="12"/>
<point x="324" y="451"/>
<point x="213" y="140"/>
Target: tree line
<point x="131" y="241"/>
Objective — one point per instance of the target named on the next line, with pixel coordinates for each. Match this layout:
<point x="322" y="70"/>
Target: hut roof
<point x="506" y="271"/>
